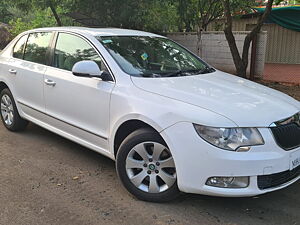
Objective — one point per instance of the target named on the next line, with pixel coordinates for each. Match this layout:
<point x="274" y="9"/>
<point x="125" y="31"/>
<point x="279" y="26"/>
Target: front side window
<point x="71" y="49"/>
<point x="37" y="47"/>
<point x="19" y="47"/>
<point x="148" y="56"/>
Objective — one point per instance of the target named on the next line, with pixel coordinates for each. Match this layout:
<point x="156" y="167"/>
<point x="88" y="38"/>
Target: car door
<point x="77" y="106"/>
<point x="27" y="66"/>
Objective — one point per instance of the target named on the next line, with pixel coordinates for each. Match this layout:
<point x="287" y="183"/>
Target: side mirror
<point x="88" y="68"/>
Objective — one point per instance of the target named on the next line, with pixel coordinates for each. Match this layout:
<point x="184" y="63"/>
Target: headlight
<point x="232" y="139"/>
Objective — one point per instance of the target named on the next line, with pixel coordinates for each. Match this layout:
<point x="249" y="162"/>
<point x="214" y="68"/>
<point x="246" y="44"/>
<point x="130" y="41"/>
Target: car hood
<point x="246" y="103"/>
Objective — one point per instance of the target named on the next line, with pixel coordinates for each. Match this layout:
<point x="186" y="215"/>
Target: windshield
<point x="147" y="56"/>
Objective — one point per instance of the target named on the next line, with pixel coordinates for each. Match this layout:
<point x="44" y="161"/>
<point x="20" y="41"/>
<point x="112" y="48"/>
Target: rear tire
<point x="146" y="167"/>
<point x="9" y="113"/>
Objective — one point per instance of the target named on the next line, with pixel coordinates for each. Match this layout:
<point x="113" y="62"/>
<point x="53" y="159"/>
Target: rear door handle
<point x="12" y="71"/>
<point x="49" y="82"/>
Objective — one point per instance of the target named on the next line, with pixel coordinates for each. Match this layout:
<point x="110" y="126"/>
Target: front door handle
<point x="12" y="71"/>
<point x="49" y="82"/>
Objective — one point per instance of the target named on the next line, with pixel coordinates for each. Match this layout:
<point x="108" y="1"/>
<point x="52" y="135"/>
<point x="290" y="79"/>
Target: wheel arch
<point x="126" y="126"/>
<point x="3" y="85"/>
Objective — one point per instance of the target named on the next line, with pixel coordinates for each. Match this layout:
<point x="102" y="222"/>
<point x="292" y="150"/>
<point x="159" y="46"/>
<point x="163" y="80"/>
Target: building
<point x="282" y="62"/>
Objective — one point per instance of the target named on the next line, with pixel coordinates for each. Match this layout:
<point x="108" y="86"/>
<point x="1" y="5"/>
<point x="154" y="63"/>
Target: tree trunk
<point x="241" y="62"/>
<point x="58" y="21"/>
<point x="199" y="47"/>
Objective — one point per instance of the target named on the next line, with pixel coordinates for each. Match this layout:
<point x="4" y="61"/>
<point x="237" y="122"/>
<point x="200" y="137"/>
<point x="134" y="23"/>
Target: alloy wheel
<point x="150" y="167"/>
<point x="7" y="110"/>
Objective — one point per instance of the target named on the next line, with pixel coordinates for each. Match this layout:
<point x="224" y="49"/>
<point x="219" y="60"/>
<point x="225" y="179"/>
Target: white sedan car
<point x="171" y="122"/>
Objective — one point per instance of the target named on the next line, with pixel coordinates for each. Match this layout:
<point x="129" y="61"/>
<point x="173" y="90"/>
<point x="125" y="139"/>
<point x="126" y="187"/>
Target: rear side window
<point x="37" y="47"/>
<point x="19" y="47"/>
<point x="71" y="49"/>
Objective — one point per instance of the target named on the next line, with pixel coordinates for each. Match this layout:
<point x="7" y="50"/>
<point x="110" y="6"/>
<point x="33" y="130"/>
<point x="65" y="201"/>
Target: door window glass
<point x="37" y="46"/>
<point x="19" y="47"/>
<point x="71" y="49"/>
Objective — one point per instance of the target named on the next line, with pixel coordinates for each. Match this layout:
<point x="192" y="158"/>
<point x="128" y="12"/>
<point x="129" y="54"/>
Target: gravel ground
<point x="46" y="179"/>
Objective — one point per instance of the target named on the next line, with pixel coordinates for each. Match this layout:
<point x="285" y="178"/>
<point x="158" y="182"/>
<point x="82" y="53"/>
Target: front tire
<point x="9" y="112"/>
<point x="146" y="167"/>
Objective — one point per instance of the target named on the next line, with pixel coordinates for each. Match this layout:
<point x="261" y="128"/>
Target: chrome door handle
<point x="49" y="82"/>
<point x="12" y="71"/>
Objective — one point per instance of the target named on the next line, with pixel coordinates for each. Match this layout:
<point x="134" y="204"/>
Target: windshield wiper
<point x="207" y="69"/>
<point x="150" y="75"/>
<point x="192" y="71"/>
<point x="175" y="73"/>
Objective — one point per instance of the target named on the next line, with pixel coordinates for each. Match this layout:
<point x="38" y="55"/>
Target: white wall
<point x="215" y="51"/>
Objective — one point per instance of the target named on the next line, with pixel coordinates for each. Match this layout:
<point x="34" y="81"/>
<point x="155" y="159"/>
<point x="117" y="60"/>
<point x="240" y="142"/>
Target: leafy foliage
<point x="34" y="19"/>
<point x="150" y="15"/>
<point x="198" y="13"/>
<point x="5" y="15"/>
<point x="161" y="16"/>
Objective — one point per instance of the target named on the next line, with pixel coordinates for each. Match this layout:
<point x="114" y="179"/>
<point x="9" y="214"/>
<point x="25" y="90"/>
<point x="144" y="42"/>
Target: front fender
<point x="159" y="112"/>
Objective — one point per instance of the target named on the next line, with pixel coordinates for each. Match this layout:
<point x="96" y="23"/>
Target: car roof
<point x="98" y="31"/>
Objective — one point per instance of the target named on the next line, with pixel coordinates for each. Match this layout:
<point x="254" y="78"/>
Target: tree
<point x="208" y="11"/>
<point x="30" y="14"/>
<point x="198" y="14"/>
<point x="33" y="19"/>
<point x="241" y="61"/>
<point x="165" y="14"/>
<point x="5" y="15"/>
<point x="34" y="5"/>
<point x="151" y="15"/>
<point x="51" y="5"/>
<point x="186" y="14"/>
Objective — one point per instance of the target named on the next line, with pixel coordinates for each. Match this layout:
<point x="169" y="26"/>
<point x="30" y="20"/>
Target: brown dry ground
<point x="37" y="187"/>
<point x="290" y="89"/>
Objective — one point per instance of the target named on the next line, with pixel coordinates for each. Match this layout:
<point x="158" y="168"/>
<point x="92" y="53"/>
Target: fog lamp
<point x="228" y="182"/>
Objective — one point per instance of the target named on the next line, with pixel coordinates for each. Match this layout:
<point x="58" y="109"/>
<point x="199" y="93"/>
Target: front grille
<point x="277" y="179"/>
<point x="287" y="136"/>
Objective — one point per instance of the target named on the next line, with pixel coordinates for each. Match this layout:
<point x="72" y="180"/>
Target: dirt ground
<point x="46" y="179"/>
<point x="290" y="89"/>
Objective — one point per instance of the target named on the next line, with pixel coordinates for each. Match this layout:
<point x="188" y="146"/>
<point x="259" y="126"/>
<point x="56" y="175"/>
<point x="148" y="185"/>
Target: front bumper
<point x="196" y="161"/>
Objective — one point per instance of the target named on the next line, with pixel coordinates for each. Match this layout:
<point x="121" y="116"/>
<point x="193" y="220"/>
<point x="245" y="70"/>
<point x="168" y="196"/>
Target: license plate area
<point x="294" y="160"/>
